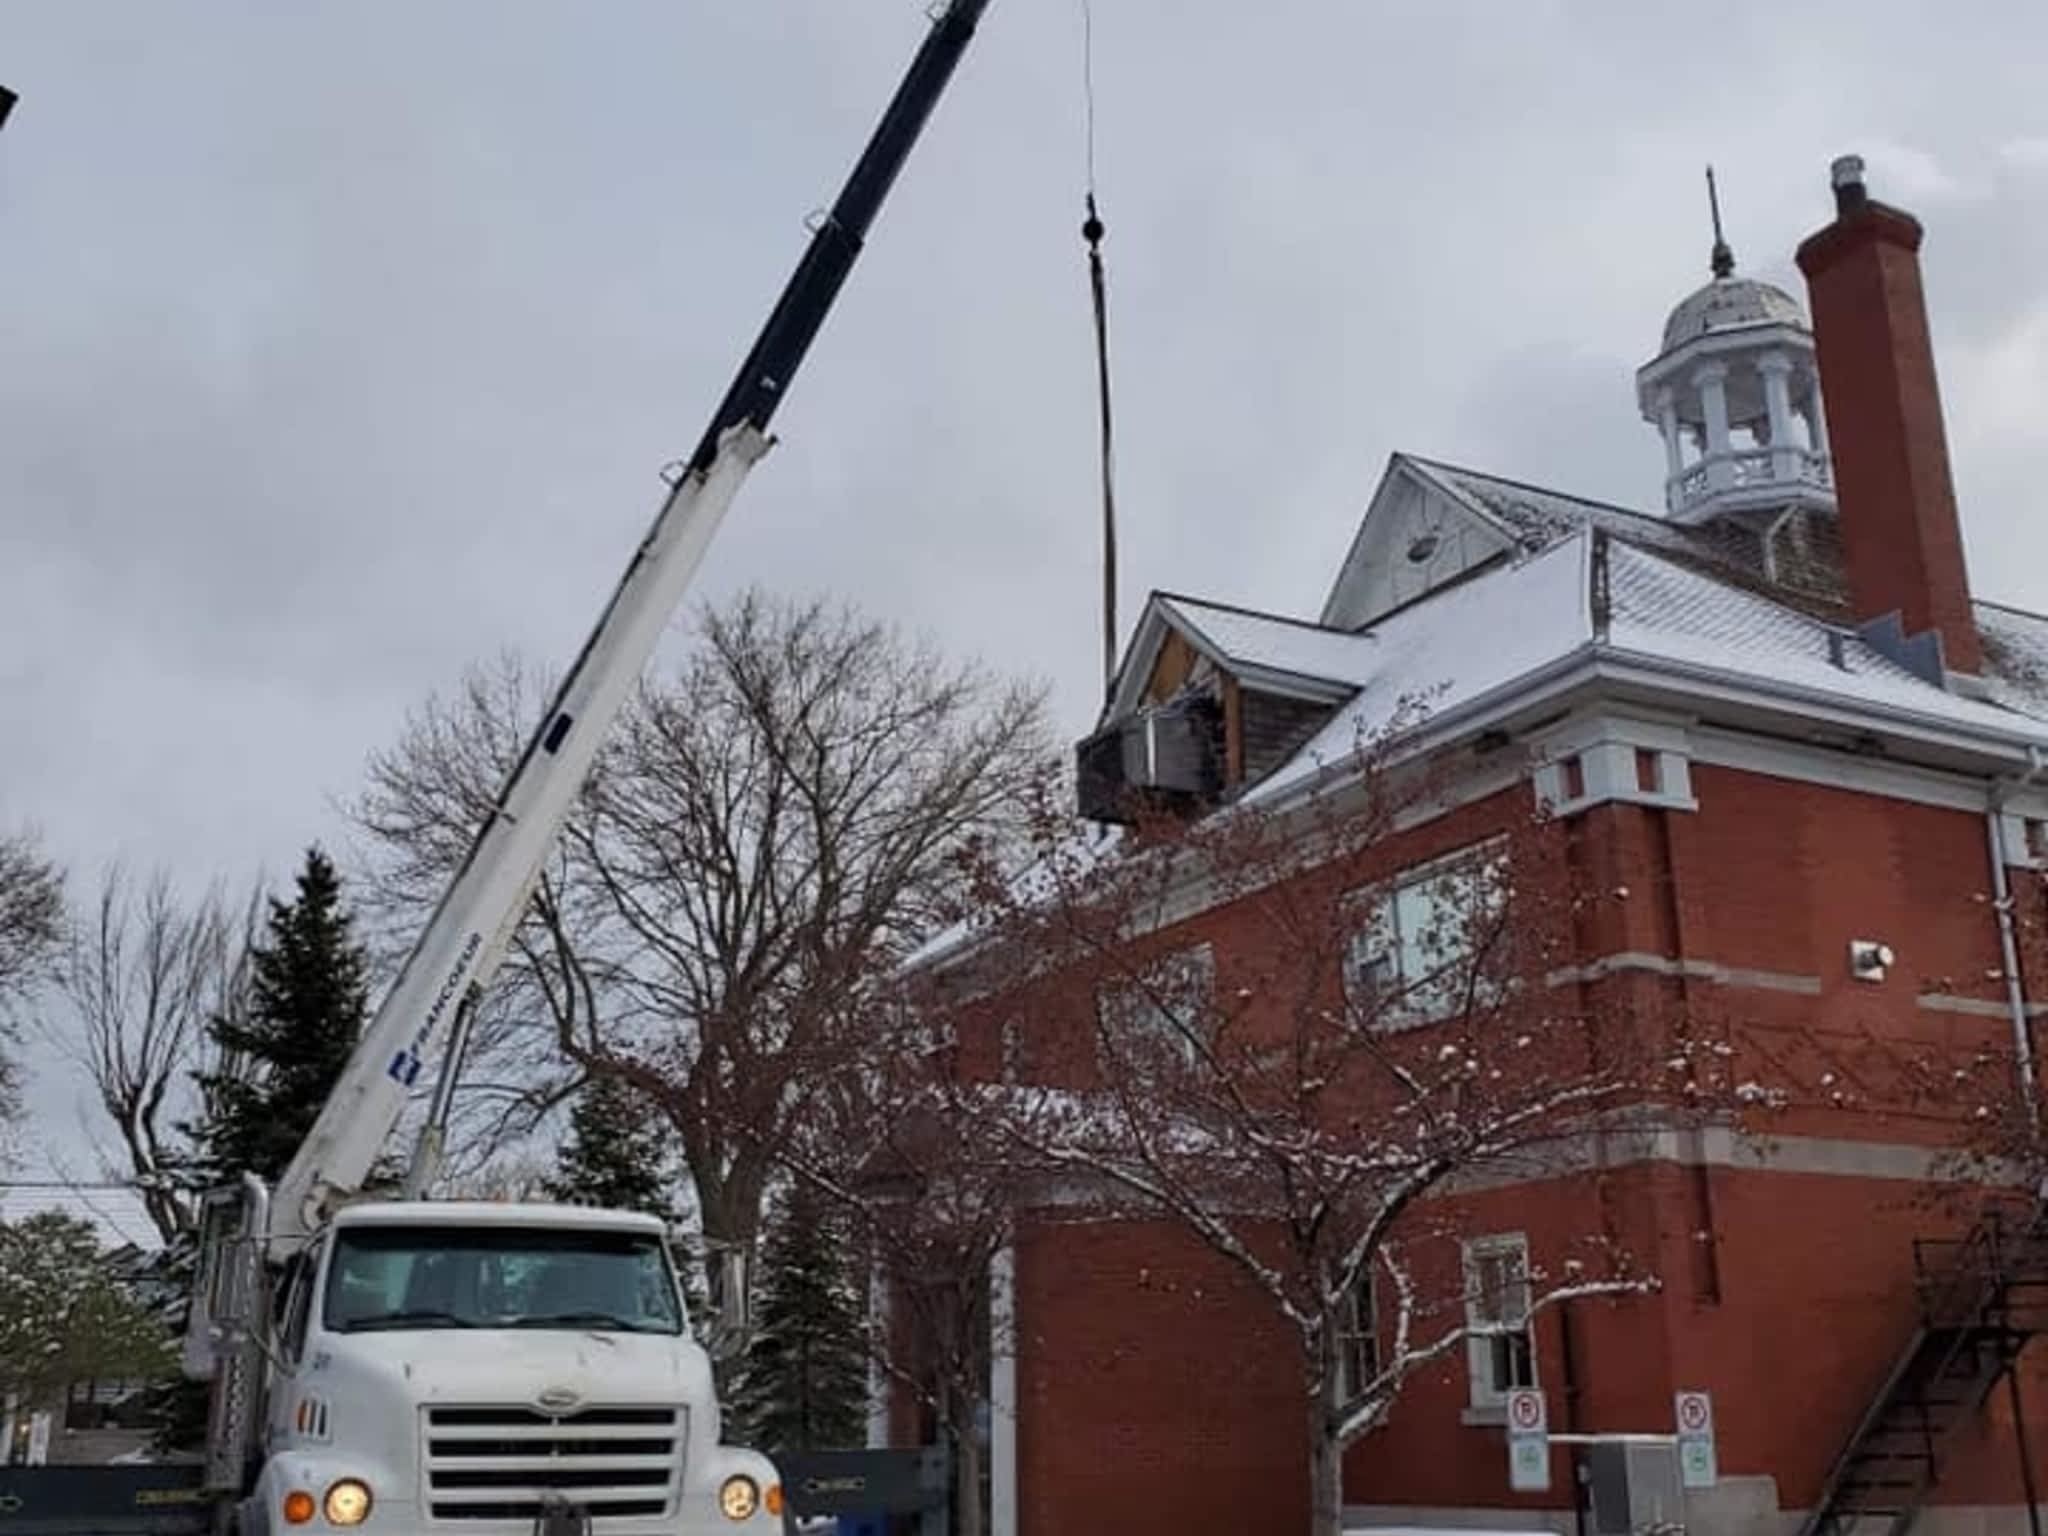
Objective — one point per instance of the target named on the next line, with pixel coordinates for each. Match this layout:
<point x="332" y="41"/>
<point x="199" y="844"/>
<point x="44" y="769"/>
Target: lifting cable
<point x="1091" y="232"/>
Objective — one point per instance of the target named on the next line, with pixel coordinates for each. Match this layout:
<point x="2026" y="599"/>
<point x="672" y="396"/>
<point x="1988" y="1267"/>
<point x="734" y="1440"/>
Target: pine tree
<point x="279" y="1062"/>
<point x="176" y="1409"/>
<point x="802" y="1384"/>
<point x="618" y="1154"/>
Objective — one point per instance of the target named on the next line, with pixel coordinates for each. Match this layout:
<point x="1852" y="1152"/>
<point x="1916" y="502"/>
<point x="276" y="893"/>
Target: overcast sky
<point x="341" y="344"/>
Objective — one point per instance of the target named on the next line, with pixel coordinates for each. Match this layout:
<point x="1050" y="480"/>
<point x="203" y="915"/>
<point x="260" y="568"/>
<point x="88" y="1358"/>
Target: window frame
<point x="1484" y="1354"/>
<point x="476" y="1243"/>
<point x="1358" y="1336"/>
<point x="1419" y="1000"/>
<point x="300" y="1307"/>
<point x="295" y="1312"/>
<point x="1145" y="1017"/>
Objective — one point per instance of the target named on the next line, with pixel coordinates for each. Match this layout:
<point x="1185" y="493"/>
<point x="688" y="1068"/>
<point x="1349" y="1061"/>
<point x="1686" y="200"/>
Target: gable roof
<point x="1564" y="583"/>
<point x="1265" y="650"/>
<point x="1291" y="648"/>
<point x="1591" y="600"/>
<point x="1418" y="533"/>
<point x="1810" y="575"/>
<point x="1451" y="651"/>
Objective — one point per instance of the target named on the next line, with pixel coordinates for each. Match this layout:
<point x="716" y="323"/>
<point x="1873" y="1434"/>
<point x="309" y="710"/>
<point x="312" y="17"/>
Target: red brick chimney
<point x="1901" y="541"/>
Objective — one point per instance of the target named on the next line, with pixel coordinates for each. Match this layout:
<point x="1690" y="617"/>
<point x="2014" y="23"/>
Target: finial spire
<point x="1723" y="260"/>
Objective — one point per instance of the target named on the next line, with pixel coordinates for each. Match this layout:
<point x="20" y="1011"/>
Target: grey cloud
<point x="341" y="344"/>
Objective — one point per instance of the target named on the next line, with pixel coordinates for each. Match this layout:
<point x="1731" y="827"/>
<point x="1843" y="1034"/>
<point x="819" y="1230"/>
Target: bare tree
<point x="31" y="911"/>
<point x="31" y="927"/>
<point x="1299" y="1035"/>
<point x="768" y="830"/>
<point x="143" y="976"/>
<point x="773" y="831"/>
<point x="926" y="1185"/>
<point x="425" y="799"/>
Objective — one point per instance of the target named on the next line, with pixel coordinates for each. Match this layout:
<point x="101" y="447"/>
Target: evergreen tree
<point x="620" y="1156"/>
<point x="279" y="1062"/>
<point x="803" y="1383"/>
<point x="65" y="1315"/>
<point x="618" y="1153"/>
<point x="175" y="1408"/>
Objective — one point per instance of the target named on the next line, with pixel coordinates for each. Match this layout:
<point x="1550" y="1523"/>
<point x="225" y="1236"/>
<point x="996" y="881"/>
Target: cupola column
<point x="1674" y="448"/>
<point x="1776" y="371"/>
<point x="1711" y="380"/>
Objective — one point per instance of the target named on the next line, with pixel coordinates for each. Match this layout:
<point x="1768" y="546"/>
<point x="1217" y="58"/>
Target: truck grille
<point x="500" y="1463"/>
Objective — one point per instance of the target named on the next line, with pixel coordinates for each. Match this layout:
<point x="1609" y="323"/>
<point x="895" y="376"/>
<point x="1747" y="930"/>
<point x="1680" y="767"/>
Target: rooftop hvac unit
<point x="1171" y="756"/>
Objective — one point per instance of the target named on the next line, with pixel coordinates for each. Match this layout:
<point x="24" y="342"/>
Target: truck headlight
<point x="348" y="1502"/>
<point x="738" y="1498"/>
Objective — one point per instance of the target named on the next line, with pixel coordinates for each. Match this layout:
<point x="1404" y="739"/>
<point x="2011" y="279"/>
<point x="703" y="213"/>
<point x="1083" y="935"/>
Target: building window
<point x="1501" y="1349"/>
<point x="1358" y="1339"/>
<point x="1413" y="957"/>
<point x="1166" y="1008"/>
<point x="1649" y="772"/>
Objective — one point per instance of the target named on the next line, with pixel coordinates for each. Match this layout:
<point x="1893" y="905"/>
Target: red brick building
<point x="1810" y="768"/>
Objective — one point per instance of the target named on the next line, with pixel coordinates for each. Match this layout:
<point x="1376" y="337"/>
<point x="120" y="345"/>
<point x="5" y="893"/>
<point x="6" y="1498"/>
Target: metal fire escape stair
<point x="1981" y="1298"/>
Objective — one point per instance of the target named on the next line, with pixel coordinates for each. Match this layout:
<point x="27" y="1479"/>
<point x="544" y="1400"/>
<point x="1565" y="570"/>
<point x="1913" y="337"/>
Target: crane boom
<point x="466" y="937"/>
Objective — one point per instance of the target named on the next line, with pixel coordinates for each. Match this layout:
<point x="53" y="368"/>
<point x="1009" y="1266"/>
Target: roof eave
<point x="1994" y="753"/>
<point x="1996" y="750"/>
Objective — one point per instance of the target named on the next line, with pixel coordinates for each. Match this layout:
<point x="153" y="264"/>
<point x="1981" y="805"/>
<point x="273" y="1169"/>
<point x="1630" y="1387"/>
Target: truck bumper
<point x="698" y="1511"/>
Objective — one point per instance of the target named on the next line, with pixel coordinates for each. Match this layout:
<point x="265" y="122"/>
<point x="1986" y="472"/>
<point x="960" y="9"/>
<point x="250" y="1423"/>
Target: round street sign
<point x="1525" y="1410"/>
<point x="1693" y="1413"/>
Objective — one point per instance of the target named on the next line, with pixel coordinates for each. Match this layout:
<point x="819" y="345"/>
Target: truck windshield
<point x="499" y="1277"/>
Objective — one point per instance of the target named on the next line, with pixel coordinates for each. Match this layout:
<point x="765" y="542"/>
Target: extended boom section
<point x="395" y="1366"/>
<point x="466" y="938"/>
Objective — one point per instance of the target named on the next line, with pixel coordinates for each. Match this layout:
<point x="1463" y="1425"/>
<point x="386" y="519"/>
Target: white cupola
<point x="1735" y="392"/>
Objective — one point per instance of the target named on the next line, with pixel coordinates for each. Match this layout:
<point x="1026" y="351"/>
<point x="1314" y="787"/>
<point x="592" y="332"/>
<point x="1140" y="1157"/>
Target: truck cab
<point x="483" y="1369"/>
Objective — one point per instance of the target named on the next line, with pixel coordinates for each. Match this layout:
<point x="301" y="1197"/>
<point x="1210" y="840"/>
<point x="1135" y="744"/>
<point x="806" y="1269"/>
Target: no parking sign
<point x="1528" y="1441"/>
<point x="1696" y="1458"/>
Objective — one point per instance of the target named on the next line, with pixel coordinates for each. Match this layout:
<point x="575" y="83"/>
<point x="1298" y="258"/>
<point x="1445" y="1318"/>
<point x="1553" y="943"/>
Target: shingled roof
<point x="1569" y="585"/>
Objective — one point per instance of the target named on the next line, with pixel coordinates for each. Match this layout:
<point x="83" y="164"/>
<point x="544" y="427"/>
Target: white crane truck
<point x="421" y="1366"/>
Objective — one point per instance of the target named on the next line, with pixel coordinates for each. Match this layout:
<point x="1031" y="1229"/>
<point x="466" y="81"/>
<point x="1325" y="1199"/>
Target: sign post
<point x="1528" y="1441"/>
<point x="1697" y="1463"/>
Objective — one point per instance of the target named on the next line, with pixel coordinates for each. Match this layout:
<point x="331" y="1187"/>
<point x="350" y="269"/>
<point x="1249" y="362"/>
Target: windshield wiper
<point x="586" y="1320"/>
<point x="411" y="1317"/>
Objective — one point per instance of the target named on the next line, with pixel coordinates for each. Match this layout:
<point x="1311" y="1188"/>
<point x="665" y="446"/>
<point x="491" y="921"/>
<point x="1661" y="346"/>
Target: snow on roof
<point x="1665" y="611"/>
<point x="1454" y="647"/>
<point x="1730" y="303"/>
<point x="1539" y="517"/>
<point x="1670" y="603"/>
<point x="1276" y="644"/>
<point x="1070" y="860"/>
<point x="2015" y="657"/>
<point x="1464" y="642"/>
